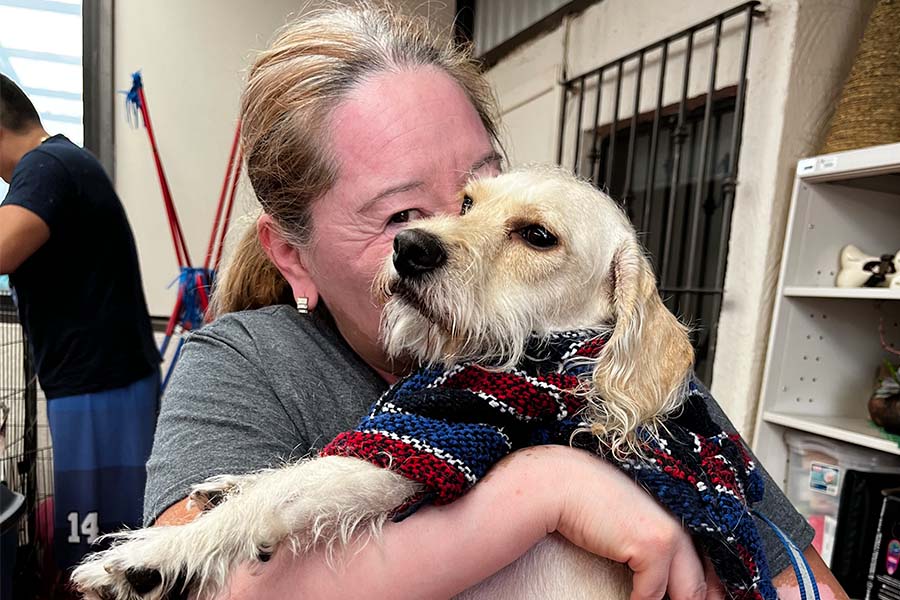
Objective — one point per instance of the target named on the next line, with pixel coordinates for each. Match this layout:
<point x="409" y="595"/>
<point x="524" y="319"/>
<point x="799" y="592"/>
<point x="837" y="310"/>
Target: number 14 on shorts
<point x="88" y="528"/>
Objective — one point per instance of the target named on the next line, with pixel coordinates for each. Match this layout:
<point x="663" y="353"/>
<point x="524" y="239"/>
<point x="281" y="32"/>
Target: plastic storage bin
<point x="816" y="471"/>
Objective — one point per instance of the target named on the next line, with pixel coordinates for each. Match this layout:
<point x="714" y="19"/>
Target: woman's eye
<point x="400" y="217"/>
<point x="405" y="216"/>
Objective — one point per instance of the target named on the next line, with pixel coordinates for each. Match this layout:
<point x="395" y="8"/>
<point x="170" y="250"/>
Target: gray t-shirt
<point x="257" y="388"/>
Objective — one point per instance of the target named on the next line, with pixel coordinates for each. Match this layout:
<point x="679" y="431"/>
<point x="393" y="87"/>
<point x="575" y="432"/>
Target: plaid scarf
<point x="445" y="428"/>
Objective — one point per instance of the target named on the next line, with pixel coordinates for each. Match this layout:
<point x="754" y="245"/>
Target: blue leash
<point x="191" y="313"/>
<point x="172" y="364"/>
<point x="805" y="578"/>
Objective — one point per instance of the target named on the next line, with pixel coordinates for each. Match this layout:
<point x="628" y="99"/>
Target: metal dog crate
<point x="26" y="462"/>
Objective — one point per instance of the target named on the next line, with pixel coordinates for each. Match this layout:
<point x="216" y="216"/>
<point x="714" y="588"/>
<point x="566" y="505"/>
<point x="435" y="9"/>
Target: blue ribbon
<point x="133" y="100"/>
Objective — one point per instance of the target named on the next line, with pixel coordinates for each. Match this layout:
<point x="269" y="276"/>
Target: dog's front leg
<point x="319" y="503"/>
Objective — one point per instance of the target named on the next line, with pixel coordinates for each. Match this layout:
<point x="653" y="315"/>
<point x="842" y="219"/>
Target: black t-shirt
<point x="79" y="295"/>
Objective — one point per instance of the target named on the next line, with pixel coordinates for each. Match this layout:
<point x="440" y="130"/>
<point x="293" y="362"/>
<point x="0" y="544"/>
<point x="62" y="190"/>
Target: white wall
<point x="193" y="55"/>
<point x="800" y="53"/>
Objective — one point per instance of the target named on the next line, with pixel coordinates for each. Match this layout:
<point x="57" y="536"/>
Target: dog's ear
<point x="640" y="373"/>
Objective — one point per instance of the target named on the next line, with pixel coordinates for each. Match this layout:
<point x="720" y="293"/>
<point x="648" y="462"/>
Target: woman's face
<point x="406" y="143"/>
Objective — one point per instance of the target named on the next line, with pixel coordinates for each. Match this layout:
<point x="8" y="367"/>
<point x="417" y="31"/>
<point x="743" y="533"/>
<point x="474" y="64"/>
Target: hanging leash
<point x="194" y="283"/>
<point x="138" y="101"/>
<point x="806" y="579"/>
<point x="232" y="174"/>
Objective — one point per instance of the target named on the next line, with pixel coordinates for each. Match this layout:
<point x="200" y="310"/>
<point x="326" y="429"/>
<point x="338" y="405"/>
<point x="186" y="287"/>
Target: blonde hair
<point x="292" y="89"/>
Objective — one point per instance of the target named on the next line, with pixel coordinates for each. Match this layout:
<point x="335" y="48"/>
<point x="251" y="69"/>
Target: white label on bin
<point x="824" y="478"/>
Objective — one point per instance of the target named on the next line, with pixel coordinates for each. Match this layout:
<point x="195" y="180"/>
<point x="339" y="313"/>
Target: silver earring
<point x="303" y="305"/>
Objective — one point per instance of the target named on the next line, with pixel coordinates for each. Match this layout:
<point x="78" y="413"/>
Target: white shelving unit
<point x="860" y="293"/>
<point x="823" y="346"/>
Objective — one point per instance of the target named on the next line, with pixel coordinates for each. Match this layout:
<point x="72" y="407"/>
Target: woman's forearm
<point x="829" y="588"/>
<point x="438" y="552"/>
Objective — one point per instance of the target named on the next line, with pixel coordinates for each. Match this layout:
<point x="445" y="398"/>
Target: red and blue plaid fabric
<point x="445" y="428"/>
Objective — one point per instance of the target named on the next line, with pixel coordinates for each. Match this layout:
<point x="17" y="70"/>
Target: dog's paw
<point x="147" y="564"/>
<point x="95" y="582"/>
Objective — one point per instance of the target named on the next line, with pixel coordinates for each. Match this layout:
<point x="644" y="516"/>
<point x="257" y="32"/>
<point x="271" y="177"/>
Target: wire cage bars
<point x="26" y="461"/>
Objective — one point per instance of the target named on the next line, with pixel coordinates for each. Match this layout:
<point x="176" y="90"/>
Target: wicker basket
<point x="868" y="113"/>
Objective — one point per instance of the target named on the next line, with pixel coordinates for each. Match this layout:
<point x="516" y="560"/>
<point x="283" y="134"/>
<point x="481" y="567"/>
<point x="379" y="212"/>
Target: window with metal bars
<point x="673" y="168"/>
<point x="663" y="218"/>
<point x="496" y="28"/>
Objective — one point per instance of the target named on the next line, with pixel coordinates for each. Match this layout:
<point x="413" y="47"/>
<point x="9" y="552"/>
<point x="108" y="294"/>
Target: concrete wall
<point x="193" y="56"/>
<point x="801" y="52"/>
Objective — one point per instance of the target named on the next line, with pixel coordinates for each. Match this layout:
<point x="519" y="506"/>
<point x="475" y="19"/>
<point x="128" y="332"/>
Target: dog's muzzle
<point x="417" y="252"/>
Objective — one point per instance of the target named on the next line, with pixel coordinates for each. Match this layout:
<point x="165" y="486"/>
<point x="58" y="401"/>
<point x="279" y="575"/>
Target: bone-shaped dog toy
<point x="859" y="269"/>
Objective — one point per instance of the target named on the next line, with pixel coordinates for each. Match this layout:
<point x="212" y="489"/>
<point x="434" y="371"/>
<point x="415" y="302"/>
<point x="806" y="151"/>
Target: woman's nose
<point x="417" y="252"/>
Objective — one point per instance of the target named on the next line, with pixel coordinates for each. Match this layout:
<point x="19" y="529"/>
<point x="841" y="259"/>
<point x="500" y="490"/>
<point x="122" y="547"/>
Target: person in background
<point x="70" y="255"/>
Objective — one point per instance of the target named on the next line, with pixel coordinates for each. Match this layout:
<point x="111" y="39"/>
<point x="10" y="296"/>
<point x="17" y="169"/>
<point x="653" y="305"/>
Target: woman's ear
<point x="287" y="259"/>
<point x="640" y="373"/>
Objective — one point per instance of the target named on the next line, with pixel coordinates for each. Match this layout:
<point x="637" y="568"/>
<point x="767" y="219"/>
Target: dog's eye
<point x="466" y="204"/>
<point x="538" y="237"/>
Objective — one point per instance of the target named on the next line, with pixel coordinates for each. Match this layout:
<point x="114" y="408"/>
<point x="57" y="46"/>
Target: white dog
<point x="534" y="252"/>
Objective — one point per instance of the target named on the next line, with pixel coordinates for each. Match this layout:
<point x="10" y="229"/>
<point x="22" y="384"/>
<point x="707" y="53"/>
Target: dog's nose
<point x="417" y="252"/>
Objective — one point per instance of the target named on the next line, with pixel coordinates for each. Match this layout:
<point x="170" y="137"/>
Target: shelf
<point x="823" y="340"/>
<point x="845" y="429"/>
<point x="836" y="292"/>
<point x="853" y="164"/>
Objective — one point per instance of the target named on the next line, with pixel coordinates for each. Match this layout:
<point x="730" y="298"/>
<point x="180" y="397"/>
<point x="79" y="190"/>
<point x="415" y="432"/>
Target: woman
<point x="354" y="123"/>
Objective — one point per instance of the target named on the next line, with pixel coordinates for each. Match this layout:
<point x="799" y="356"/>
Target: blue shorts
<point x="101" y="443"/>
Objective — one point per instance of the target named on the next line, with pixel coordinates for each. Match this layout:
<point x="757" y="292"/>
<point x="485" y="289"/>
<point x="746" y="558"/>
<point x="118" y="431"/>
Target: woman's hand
<point x="606" y="513"/>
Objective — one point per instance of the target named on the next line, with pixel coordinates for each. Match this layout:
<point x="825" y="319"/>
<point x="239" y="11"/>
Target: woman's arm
<point x="779" y="508"/>
<point x="786" y="583"/>
<point x="829" y="588"/>
<point x="441" y="551"/>
<point x="297" y="574"/>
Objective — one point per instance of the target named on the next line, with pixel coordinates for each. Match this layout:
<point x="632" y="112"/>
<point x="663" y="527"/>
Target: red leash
<point x="192" y="301"/>
<point x="227" y="221"/>
<point x="193" y="292"/>
<point x="228" y="178"/>
<point x="181" y="249"/>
